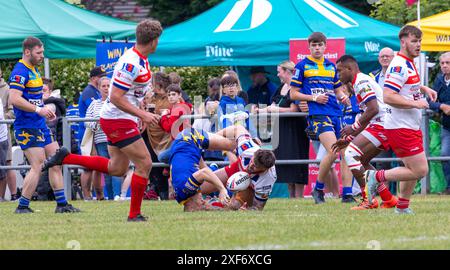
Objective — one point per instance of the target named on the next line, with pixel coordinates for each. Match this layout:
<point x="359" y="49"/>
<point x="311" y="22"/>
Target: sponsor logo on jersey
<point x="397" y="70"/>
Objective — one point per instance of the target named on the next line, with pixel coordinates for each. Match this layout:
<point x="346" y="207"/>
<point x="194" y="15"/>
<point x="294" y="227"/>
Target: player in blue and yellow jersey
<point x="188" y="170"/>
<point x="31" y="132"/>
<point x="316" y="81"/>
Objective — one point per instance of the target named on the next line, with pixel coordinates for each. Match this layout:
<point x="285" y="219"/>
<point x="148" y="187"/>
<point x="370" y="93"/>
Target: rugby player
<point x="316" y="81"/>
<point x="365" y="138"/>
<point x="258" y="163"/>
<point x="403" y="96"/>
<point x="31" y="132"/>
<point x="119" y="119"/>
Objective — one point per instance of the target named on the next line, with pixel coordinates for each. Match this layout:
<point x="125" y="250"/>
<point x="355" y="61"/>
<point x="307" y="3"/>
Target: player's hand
<point x="303" y="106"/>
<point x="445" y="108"/>
<point x="223" y="197"/>
<point x="347" y="130"/>
<point x="421" y="104"/>
<point x="47" y="113"/>
<point x="430" y="93"/>
<point x="321" y="99"/>
<point x="150" y="119"/>
<point x="339" y="145"/>
<point x="243" y="207"/>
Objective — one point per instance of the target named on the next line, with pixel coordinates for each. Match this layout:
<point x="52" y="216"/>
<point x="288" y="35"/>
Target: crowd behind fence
<point x="425" y="182"/>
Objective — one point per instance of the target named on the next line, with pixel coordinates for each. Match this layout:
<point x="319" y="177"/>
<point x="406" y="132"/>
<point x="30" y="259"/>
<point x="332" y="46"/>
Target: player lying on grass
<point x="365" y="139"/>
<point x="188" y="170"/>
<point x="258" y="163"/>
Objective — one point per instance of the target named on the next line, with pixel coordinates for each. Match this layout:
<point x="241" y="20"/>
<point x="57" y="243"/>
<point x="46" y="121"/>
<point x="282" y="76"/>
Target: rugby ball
<point x="238" y="181"/>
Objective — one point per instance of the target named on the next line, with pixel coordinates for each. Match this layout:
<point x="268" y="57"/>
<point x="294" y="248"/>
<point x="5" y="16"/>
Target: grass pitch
<point x="284" y="224"/>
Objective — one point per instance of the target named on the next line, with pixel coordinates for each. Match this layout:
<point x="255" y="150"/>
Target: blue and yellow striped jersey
<point x="27" y="79"/>
<point x="315" y="77"/>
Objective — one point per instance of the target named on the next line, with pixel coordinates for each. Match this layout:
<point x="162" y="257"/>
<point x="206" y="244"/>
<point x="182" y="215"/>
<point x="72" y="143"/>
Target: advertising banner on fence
<point x="299" y="49"/>
<point x="108" y="54"/>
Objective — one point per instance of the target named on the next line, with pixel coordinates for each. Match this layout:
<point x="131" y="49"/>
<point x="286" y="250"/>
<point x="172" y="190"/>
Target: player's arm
<point x="206" y="174"/>
<point x="19" y="102"/>
<point x="394" y="99"/>
<point x="341" y="96"/>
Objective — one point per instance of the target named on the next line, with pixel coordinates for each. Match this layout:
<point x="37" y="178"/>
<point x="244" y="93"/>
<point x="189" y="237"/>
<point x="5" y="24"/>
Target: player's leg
<point x="347" y="181"/>
<point x="57" y="183"/>
<point x="217" y="142"/>
<point x="327" y="139"/>
<point x="36" y="157"/>
<point x="136" y="152"/>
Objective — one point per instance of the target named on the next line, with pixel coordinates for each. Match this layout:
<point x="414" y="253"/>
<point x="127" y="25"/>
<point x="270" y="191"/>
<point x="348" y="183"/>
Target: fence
<point x="425" y="182"/>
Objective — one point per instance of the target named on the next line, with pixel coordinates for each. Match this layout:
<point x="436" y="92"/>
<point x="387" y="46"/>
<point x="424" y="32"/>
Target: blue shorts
<point x="33" y="137"/>
<point x="349" y="119"/>
<point x="186" y="154"/>
<point x="318" y="124"/>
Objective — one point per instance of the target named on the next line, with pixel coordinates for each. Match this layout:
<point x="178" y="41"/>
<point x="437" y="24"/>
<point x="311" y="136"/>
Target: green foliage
<point x="398" y="13"/>
<point x="71" y="75"/>
<point x="173" y="12"/>
<point x="195" y="78"/>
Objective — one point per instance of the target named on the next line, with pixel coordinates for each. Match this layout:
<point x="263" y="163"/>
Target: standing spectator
<point x="158" y="139"/>
<point x="242" y="94"/>
<point x="442" y="104"/>
<point x="73" y="112"/>
<point x="8" y="113"/>
<point x="232" y="107"/>
<point x="100" y="140"/>
<point x="89" y="94"/>
<point x="210" y="125"/>
<point x="262" y="89"/>
<point x="176" y="79"/>
<point x="3" y="152"/>
<point x="293" y="142"/>
<point x="384" y="58"/>
<point x="170" y="117"/>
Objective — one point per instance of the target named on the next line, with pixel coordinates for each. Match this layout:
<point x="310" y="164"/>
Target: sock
<point x="96" y="163"/>
<point x="402" y="203"/>
<point x="24" y="202"/>
<point x="384" y="192"/>
<point x="60" y="197"/>
<point x="138" y="186"/>
<point x="379" y="176"/>
<point x="363" y="193"/>
<point x="346" y="191"/>
<point x="319" y="185"/>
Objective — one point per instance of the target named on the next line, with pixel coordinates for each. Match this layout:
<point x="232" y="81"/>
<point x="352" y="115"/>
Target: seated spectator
<point x="170" y="117"/>
<point x="176" y="79"/>
<point x="262" y="89"/>
<point x="100" y="141"/>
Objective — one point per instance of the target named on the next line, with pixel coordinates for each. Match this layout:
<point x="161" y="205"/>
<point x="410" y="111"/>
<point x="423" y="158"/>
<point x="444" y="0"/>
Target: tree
<point x="176" y="11"/>
<point x="398" y="13"/>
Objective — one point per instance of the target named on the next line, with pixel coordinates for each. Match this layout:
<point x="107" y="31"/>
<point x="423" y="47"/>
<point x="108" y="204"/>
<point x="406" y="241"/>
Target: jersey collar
<point x="315" y="60"/>
<point x="138" y="53"/>
<point x="404" y="56"/>
<point x="25" y="64"/>
<point x="354" y="78"/>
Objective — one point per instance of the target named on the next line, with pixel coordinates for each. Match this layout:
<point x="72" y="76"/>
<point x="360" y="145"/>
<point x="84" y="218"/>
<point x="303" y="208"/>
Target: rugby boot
<point x="56" y="159"/>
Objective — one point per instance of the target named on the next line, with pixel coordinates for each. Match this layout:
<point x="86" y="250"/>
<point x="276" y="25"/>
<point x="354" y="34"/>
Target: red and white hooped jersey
<point x="402" y="77"/>
<point x="131" y="74"/>
<point x="367" y="89"/>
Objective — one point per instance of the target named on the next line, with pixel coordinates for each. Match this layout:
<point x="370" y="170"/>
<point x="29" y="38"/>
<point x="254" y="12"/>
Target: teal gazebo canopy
<point x="66" y="30"/>
<point x="257" y="32"/>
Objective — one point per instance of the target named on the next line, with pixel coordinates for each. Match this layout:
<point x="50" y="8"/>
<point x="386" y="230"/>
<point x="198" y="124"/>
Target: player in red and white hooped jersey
<point x="258" y="163"/>
<point x="365" y="139"/>
<point x="119" y="119"/>
<point x="403" y="95"/>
